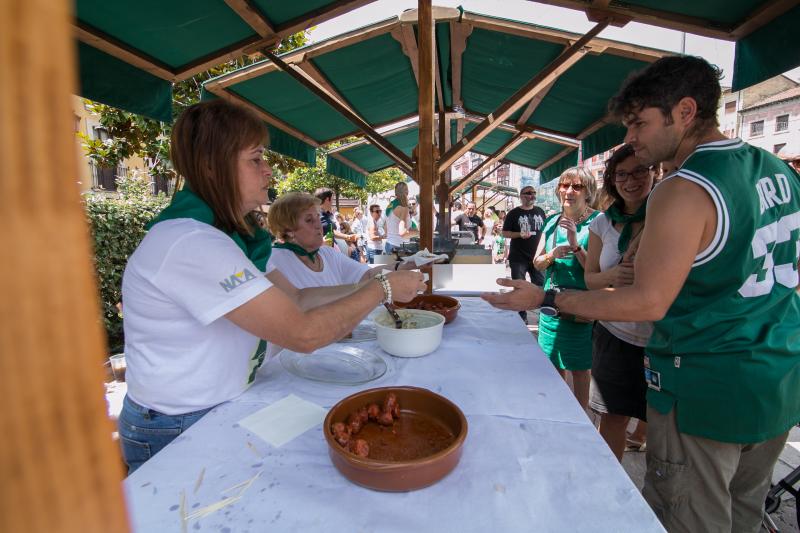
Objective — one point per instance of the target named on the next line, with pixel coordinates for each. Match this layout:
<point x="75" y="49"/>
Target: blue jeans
<point x="390" y="248"/>
<point x="371" y="255"/>
<point x="144" y="432"/>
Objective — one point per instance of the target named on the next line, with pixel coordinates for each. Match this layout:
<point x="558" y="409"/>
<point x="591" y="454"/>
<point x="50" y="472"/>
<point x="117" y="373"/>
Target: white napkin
<point x="284" y="420"/>
<point x="424" y="257"/>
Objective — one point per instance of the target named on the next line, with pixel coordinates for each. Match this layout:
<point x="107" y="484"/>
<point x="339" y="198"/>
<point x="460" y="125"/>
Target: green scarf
<point x="297" y="249"/>
<point x="186" y="204"/>
<point x="618" y="217"/>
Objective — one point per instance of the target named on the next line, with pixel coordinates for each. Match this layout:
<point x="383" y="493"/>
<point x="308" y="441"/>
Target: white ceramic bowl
<point x="410" y="342"/>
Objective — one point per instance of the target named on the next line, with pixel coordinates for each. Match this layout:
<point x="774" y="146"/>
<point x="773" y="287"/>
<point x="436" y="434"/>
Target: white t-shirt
<point x="393" y="228"/>
<point x="636" y="333"/>
<point x="182" y="354"/>
<point x="379" y="230"/>
<point x="338" y="269"/>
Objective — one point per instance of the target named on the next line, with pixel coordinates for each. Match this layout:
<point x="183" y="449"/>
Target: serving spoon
<point x="398" y="322"/>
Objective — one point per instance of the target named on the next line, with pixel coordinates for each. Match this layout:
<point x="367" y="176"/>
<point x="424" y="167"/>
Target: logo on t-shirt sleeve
<point x="236" y="279"/>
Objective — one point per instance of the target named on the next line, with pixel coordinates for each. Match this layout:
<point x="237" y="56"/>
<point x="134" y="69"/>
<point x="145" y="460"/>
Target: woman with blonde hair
<point x="300" y="256"/>
<point x="198" y="307"/>
<point x="561" y="255"/>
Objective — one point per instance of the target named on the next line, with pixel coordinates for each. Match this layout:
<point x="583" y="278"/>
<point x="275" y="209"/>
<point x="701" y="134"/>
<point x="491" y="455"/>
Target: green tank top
<point x="566" y="273"/>
<point x="727" y="353"/>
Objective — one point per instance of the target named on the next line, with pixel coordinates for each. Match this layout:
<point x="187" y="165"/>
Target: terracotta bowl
<point x="404" y="474"/>
<point x="426" y="301"/>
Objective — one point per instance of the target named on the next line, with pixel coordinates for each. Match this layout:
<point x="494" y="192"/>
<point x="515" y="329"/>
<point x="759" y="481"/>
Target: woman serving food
<point x="198" y="307"/>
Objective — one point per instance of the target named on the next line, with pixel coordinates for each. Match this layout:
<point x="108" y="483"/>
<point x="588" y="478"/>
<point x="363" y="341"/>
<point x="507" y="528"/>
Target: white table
<point x="532" y="460"/>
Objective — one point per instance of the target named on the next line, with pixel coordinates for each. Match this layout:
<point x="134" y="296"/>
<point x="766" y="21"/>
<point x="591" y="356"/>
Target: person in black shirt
<point x="469" y="220"/>
<point x="523" y="225"/>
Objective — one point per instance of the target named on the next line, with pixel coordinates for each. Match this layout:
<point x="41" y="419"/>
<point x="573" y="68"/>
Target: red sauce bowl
<point x="399" y="474"/>
<point x="446" y="306"/>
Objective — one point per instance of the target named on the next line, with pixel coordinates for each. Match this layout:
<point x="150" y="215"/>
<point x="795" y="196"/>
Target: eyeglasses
<point x="638" y="173"/>
<point x="577" y="187"/>
<point x="376" y="210"/>
<point x="529" y="193"/>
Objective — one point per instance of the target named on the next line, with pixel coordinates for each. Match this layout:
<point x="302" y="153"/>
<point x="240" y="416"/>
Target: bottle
<point x="329" y="240"/>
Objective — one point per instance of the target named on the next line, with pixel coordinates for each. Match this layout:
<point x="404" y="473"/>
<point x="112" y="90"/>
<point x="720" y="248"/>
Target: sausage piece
<point x="341" y="433"/>
<point x="359" y="447"/>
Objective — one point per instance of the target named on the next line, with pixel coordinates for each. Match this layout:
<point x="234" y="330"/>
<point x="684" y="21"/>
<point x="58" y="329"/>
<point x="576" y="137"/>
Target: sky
<point x="715" y="51"/>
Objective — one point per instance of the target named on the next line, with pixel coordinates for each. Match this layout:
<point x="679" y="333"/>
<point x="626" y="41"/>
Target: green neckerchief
<point x="618" y="217"/>
<point x="297" y="249"/>
<point x="186" y="204"/>
<point x="389" y="208"/>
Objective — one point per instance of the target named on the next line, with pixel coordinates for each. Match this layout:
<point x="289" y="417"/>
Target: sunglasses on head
<point x="575" y="186"/>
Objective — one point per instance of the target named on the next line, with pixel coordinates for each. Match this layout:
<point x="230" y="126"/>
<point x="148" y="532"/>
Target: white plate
<point x="345" y="365"/>
<point x="365" y="331"/>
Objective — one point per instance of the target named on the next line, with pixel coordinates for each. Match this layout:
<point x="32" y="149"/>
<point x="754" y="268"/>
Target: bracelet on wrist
<point x="387" y="288"/>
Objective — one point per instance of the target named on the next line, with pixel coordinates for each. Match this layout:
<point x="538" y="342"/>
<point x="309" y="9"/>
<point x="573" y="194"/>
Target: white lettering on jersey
<point x="764" y="242"/>
<point x="770" y="196"/>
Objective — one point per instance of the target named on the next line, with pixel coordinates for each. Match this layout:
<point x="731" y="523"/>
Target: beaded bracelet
<point x="387" y="288"/>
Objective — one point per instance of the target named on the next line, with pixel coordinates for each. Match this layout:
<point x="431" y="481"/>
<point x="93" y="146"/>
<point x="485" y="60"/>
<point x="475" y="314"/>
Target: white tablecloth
<point x="532" y="460"/>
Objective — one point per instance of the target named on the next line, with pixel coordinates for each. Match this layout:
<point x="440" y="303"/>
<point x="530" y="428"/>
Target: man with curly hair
<point x="716" y="271"/>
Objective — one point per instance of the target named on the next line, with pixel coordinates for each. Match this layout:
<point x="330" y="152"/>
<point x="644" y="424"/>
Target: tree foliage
<point x="118" y="225"/>
<point x="308" y="178"/>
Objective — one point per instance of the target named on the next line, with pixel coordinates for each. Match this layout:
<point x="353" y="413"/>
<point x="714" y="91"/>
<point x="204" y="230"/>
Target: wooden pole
<point x="61" y="471"/>
<point x="426" y="160"/>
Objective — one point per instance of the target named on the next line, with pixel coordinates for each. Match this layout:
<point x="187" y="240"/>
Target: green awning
<point x="768" y="51"/>
<point x="337" y="168"/>
<point x="130" y="52"/>
<point x="145" y="94"/>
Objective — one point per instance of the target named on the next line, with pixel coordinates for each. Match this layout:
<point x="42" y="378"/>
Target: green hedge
<point x="117" y="223"/>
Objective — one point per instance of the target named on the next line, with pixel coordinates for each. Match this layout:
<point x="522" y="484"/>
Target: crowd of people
<point x="674" y="303"/>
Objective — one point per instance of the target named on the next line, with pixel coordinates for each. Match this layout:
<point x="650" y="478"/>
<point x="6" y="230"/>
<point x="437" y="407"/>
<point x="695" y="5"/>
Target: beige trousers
<point x="701" y="485"/>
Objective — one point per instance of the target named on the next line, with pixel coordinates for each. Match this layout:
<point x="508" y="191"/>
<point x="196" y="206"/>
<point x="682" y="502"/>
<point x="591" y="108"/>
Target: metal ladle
<point x="398" y="322"/>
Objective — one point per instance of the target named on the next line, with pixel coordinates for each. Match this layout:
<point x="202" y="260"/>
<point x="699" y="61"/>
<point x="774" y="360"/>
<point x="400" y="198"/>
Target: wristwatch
<point x="548" y="307"/>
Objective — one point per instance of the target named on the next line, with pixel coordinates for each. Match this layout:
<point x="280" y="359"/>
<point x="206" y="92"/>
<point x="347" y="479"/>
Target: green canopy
<point x="371" y="72"/>
<point x="762" y="29"/>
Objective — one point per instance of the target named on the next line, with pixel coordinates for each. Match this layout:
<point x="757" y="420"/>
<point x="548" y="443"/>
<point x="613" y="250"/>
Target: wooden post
<point x="443" y="180"/>
<point x="61" y="471"/>
<point x="426" y="161"/>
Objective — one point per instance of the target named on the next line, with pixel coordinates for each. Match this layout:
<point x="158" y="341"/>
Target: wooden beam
<point x="230" y="53"/>
<point x="531" y="131"/>
<point x="253" y="16"/>
<point x="349" y="163"/>
<point x="317" y="75"/>
<point x="377" y="126"/>
<point x="442" y="189"/>
<point x="763" y="15"/>
<point x="459" y="31"/>
<point x="437" y="73"/>
<point x="263" y="115"/>
<point x="533" y="104"/>
<point x="113" y="47"/>
<point x="562" y="37"/>
<point x="404" y="34"/>
<point x="363" y="140"/>
<point x="593" y="127"/>
<point x="61" y="471"/>
<point x="464" y="183"/>
<point x="426" y="167"/>
<point x="654" y="17"/>
<point x="555" y="158"/>
<point x="327" y="46"/>
<point x="402" y="160"/>
<point x="564" y="61"/>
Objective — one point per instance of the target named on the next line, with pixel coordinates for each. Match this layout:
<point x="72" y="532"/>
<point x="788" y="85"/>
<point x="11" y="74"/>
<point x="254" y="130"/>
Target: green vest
<point x="727" y="353"/>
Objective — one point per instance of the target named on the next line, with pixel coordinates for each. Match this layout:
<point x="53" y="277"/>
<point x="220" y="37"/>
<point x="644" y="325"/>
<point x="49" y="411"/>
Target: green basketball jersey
<point x="727" y="353"/>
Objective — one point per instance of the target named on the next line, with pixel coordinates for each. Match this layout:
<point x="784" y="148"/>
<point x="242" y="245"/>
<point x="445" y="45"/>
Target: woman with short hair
<point x="561" y="254"/>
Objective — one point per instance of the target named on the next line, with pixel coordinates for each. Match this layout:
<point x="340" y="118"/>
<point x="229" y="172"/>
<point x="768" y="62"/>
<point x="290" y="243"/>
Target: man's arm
<point x="681" y="220"/>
